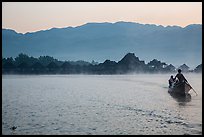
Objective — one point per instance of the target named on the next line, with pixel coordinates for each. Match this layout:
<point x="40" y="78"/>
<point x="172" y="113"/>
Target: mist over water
<point x="98" y="104"/>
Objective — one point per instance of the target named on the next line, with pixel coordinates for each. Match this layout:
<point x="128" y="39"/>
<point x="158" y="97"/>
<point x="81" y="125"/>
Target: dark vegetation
<point x="23" y="64"/>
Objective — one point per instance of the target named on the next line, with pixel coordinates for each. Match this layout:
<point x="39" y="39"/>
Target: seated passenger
<point x="171" y="81"/>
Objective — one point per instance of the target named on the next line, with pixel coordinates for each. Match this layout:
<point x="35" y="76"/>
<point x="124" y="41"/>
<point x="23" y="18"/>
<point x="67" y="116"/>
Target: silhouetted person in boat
<point x="180" y="77"/>
<point x="171" y="81"/>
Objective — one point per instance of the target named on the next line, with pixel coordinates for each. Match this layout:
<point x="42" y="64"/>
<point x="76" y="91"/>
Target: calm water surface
<point x="98" y="104"/>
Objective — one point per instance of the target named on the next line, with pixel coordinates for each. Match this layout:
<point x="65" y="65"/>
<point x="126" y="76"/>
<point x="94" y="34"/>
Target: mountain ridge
<point x="92" y="40"/>
<point x="102" y="23"/>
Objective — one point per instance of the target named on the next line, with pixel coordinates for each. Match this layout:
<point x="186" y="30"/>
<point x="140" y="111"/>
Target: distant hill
<point x="198" y="68"/>
<point x="101" y="41"/>
<point x="23" y="64"/>
<point x="184" y="68"/>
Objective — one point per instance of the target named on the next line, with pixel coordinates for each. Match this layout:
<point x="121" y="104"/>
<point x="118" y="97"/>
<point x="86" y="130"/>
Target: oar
<point x="192" y="88"/>
<point x="194" y="91"/>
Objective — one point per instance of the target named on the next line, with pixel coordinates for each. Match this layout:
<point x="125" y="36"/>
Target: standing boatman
<point x="180" y="77"/>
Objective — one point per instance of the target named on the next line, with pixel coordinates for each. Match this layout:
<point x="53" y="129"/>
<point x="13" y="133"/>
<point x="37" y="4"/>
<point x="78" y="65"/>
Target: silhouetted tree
<point x="130" y="63"/>
<point x="23" y="67"/>
<point x="52" y="67"/>
<point x="45" y="60"/>
<point x="37" y="68"/>
<point x="66" y="67"/>
<point x="8" y="65"/>
<point x="156" y="66"/>
<point x="108" y="67"/>
<point x="24" y="64"/>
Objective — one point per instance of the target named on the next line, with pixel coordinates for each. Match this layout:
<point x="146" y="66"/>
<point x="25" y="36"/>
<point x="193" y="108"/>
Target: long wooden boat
<point x="181" y="89"/>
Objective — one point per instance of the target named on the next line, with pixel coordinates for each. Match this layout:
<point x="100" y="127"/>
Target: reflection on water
<point x="98" y="104"/>
<point x="182" y="100"/>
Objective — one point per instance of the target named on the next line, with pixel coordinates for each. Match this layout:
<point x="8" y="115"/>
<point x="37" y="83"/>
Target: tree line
<point x="23" y="64"/>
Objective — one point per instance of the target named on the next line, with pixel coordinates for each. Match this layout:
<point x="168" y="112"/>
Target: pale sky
<point x="34" y="16"/>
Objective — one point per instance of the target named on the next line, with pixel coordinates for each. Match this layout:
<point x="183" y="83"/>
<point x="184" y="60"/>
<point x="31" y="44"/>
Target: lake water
<point x="98" y="104"/>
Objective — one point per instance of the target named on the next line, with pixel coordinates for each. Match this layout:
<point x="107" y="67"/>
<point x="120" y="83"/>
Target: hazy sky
<point x="33" y="16"/>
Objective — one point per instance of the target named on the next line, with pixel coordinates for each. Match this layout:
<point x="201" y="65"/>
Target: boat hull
<point x="180" y="89"/>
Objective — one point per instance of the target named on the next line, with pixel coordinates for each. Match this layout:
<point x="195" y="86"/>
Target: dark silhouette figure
<point x="13" y="128"/>
<point x="171" y="81"/>
<point x="180" y="77"/>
